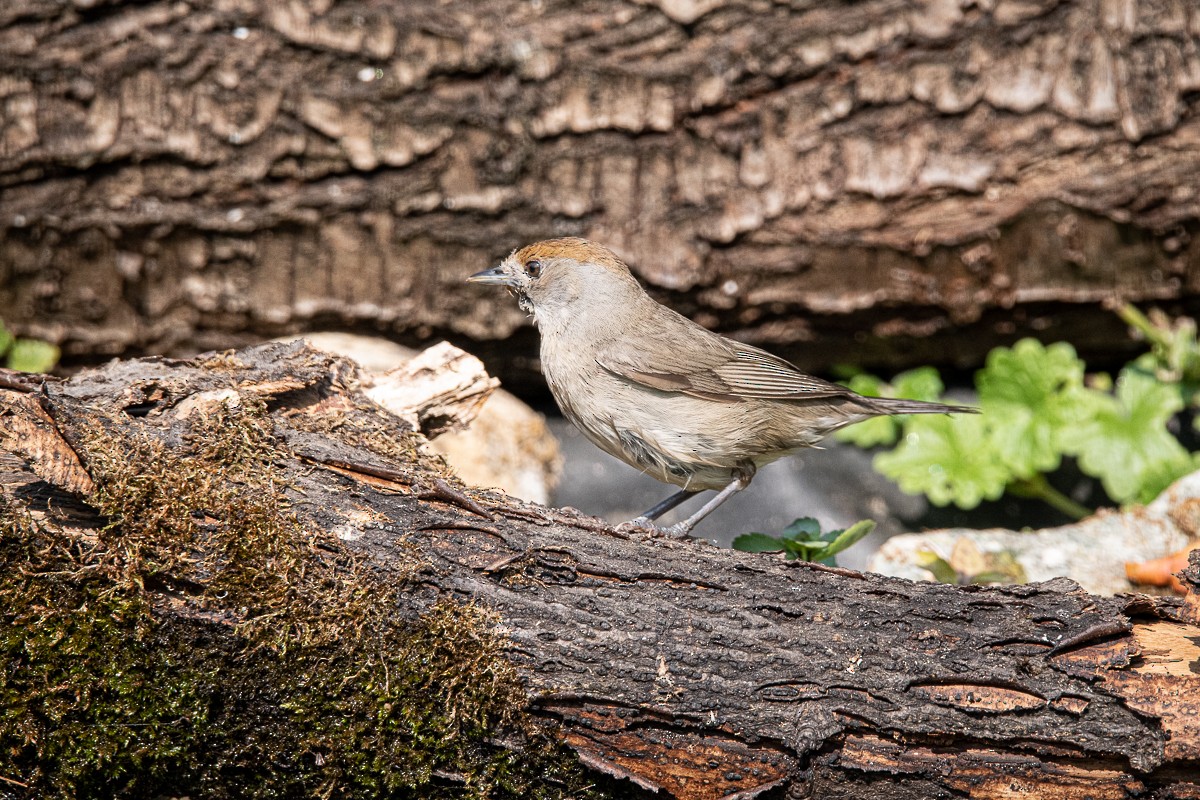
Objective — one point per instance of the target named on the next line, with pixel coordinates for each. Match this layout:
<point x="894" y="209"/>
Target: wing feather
<point x="714" y="368"/>
<point x="756" y="373"/>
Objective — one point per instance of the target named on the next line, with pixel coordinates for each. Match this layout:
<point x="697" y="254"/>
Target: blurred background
<point x="860" y="185"/>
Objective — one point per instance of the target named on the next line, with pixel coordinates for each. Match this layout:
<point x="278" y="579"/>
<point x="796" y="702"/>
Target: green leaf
<point x="1123" y="439"/>
<point x="1003" y="568"/>
<point x="871" y="432"/>
<point x="805" y="527"/>
<point x="757" y="543"/>
<point x="867" y="385"/>
<point x="949" y="459"/>
<point x="843" y="372"/>
<point x="804" y="540"/>
<point x="32" y="355"/>
<point x="1182" y="354"/>
<point x="1025" y="394"/>
<point x="1174" y="346"/>
<point x="844" y="539"/>
<point x="804" y="552"/>
<point x="922" y="383"/>
<point x="940" y="567"/>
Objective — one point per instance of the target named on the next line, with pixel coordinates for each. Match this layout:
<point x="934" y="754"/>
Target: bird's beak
<point x="494" y="276"/>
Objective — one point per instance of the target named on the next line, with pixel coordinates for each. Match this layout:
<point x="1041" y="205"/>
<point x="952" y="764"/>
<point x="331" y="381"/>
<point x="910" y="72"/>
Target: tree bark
<point x="845" y="182"/>
<point x="682" y="668"/>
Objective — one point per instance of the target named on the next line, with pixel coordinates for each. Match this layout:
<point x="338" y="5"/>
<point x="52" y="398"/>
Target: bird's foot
<point x="678" y="531"/>
<point x="637" y="524"/>
<point x="643" y="523"/>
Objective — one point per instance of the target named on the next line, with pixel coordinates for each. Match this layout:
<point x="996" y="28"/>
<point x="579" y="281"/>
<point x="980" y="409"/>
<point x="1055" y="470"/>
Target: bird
<point x="662" y="393"/>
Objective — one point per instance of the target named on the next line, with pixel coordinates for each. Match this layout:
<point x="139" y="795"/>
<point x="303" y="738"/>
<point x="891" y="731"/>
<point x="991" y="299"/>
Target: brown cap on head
<point x="573" y="248"/>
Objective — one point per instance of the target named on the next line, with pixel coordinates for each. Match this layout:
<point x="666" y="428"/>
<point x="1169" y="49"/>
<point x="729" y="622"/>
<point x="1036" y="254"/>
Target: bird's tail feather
<point x="887" y="405"/>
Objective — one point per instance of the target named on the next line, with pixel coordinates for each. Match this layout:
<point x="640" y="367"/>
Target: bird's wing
<point x="715" y="368"/>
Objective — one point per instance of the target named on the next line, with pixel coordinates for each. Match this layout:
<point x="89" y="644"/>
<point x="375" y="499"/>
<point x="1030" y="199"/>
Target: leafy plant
<point x="1123" y="439"/>
<point x="26" y="355"/>
<point x="1039" y="405"/>
<point x="804" y="540"/>
<point x="1174" y="352"/>
<point x="970" y="565"/>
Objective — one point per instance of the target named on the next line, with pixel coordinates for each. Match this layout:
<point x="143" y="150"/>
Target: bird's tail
<point x="887" y="405"/>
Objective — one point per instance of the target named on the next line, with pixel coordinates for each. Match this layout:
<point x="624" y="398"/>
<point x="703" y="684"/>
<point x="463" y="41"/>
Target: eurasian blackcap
<point x="660" y="392"/>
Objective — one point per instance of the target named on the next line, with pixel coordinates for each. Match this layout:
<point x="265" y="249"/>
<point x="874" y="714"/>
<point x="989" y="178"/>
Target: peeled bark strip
<point x="895" y="174"/>
<point x="682" y="668"/>
<point x="441" y="389"/>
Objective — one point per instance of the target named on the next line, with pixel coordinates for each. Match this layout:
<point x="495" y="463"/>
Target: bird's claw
<point x="637" y="524"/>
<point x="677" y="531"/>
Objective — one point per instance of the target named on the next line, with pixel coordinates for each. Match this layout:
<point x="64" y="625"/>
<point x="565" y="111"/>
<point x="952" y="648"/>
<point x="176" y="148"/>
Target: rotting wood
<point x="698" y="672"/>
<point x="441" y="389"/>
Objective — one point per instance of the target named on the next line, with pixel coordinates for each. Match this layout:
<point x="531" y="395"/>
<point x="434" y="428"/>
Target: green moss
<point x="281" y="671"/>
<point x="77" y="671"/>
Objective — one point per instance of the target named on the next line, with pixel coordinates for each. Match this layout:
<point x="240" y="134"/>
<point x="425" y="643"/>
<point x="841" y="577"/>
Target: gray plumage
<point x="656" y="390"/>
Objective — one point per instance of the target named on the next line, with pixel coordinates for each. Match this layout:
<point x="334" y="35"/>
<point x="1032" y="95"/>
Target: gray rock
<point x="1092" y="552"/>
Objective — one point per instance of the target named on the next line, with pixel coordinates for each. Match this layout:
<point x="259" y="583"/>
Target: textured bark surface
<point x="700" y="672"/>
<point x="879" y="178"/>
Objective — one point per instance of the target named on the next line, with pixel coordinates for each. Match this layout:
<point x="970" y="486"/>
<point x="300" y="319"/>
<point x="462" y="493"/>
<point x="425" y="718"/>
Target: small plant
<point x="1040" y="405"/>
<point x="970" y="565"/>
<point x="804" y="540"/>
<point x="26" y="355"/>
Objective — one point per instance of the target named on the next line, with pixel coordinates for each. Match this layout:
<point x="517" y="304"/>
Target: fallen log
<point x="236" y="576"/>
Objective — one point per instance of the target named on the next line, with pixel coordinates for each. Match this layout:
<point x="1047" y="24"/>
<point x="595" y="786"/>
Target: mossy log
<point x="238" y="577"/>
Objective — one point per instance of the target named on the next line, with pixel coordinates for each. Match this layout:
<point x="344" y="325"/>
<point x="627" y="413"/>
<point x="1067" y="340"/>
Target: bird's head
<point x="549" y="277"/>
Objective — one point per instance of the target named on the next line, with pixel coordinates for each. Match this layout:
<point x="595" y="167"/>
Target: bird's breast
<point x="644" y="428"/>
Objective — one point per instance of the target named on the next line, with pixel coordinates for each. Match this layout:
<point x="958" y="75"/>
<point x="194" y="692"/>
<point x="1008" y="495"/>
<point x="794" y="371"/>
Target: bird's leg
<point x="657" y="510"/>
<point x="743" y="476"/>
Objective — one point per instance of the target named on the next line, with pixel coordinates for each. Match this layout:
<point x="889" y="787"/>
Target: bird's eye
<point x="534" y="268"/>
